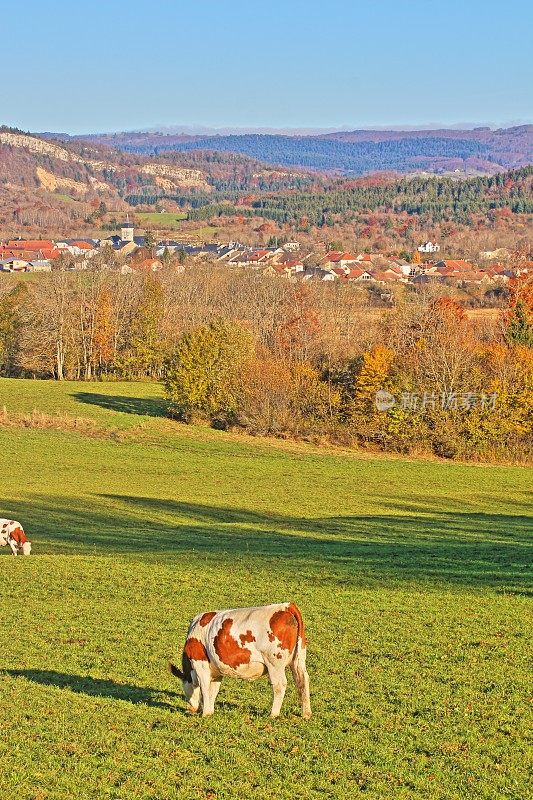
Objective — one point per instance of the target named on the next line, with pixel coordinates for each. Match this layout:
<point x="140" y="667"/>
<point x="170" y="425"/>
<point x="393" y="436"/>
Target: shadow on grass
<point x="143" y="406"/>
<point x="95" y="687"/>
<point x="427" y="544"/>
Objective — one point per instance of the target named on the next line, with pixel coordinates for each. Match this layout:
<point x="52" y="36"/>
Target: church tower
<point x="126" y="230"/>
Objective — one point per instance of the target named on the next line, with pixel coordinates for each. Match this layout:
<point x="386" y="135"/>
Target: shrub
<point x="203" y="374"/>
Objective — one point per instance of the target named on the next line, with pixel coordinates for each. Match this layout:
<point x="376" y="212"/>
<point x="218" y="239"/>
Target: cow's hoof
<point x="306" y="715"/>
<point x="192" y="710"/>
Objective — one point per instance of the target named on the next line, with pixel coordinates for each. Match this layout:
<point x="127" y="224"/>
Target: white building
<point x="429" y="247"/>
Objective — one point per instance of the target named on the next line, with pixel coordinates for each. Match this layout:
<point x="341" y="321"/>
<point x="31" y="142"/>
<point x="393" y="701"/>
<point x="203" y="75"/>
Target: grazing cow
<point x="244" y="643"/>
<point x="12" y="534"/>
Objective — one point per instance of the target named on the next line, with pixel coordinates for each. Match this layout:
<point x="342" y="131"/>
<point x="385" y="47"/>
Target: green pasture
<point x="414" y="579"/>
<point x="163" y="219"/>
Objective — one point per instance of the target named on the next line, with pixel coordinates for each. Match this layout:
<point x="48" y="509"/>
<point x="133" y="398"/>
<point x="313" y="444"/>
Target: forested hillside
<point x="437" y="198"/>
<point x="330" y="154"/>
<point x="358" y="152"/>
<point x="58" y="185"/>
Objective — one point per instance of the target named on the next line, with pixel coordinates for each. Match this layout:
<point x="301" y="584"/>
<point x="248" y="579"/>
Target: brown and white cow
<point x="12" y="534"/>
<point x="244" y="643"/>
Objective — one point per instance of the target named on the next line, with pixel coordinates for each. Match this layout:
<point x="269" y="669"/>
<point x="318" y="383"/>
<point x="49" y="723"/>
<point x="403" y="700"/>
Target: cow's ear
<point x="176" y="672"/>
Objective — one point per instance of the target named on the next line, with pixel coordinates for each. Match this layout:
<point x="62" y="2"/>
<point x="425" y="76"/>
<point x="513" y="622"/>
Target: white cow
<point x="12" y="534"/>
<point x="244" y="643"/>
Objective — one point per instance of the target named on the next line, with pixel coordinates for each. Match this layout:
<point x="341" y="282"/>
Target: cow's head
<point x="26" y="548"/>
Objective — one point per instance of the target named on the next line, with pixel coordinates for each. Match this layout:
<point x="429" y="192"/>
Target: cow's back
<point x="11" y="529"/>
<point x="242" y="642"/>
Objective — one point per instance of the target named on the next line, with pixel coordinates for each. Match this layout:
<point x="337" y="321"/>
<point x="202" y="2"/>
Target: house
<point x="273" y="270"/>
<point x="407" y="269"/>
<point x="294" y="264"/>
<point x="30" y="249"/>
<point x="318" y="274"/>
<point x="337" y="258"/>
<point x="386" y="276"/>
<point x="377" y="259"/>
<point x="428" y="247"/>
<point x="359" y="274"/>
<point x="225" y="251"/>
<point x="264" y="255"/>
<point x="78" y="247"/>
<point x="119" y="245"/>
<point x="453" y="265"/>
<point x="148" y="265"/>
<point x="426" y="277"/>
<point x="501" y="275"/>
<point x="13" y="264"/>
<point x="291" y="247"/>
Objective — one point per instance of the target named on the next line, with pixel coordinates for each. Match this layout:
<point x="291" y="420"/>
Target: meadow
<point x="163" y="219"/>
<point x="414" y="579"/>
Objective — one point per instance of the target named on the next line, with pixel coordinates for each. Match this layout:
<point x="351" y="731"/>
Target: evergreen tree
<point x="520" y="328"/>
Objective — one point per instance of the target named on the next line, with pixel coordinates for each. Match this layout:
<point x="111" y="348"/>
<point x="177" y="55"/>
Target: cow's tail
<point x="298" y="662"/>
<point x="301" y="641"/>
<point x="175" y="671"/>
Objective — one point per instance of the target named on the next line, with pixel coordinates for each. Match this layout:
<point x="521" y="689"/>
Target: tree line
<point x="284" y="359"/>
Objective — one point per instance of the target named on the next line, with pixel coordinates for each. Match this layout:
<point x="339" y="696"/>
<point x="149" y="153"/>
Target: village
<point x="128" y="253"/>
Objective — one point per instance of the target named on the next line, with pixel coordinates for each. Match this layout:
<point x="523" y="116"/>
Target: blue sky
<point x="109" y="66"/>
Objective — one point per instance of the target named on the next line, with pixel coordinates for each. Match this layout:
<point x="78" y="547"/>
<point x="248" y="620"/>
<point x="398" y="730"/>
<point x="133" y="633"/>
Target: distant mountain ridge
<point x="481" y="150"/>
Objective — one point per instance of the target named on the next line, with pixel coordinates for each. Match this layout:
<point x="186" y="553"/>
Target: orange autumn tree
<point x="373" y="375"/>
<point x="298" y="332"/>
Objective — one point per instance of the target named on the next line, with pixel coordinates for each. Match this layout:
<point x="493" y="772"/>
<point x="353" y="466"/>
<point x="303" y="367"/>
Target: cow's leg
<point x="203" y="673"/>
<point x="215" y="688"/>
<point x="278" y="680"/>
<point x="194" y="701"/>
<point x="13" y="547"/>
<point x="301" y="679"/>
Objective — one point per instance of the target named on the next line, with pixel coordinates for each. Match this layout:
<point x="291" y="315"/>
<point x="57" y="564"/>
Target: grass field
<point x="162" y="219"/>
<point x="413" y="577"/>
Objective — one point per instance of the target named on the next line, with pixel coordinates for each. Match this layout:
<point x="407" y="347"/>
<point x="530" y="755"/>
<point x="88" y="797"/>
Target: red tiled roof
<point x="83" y="245"/>
<point x="27" y="255"/>
<point x="294" y="263"/>
<point x="30" y="244"/>
<point x="336" y="255"/>
<point x="149" y="263"/>
<point x="355" y="272"/>
<point x="381" y="275"/>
